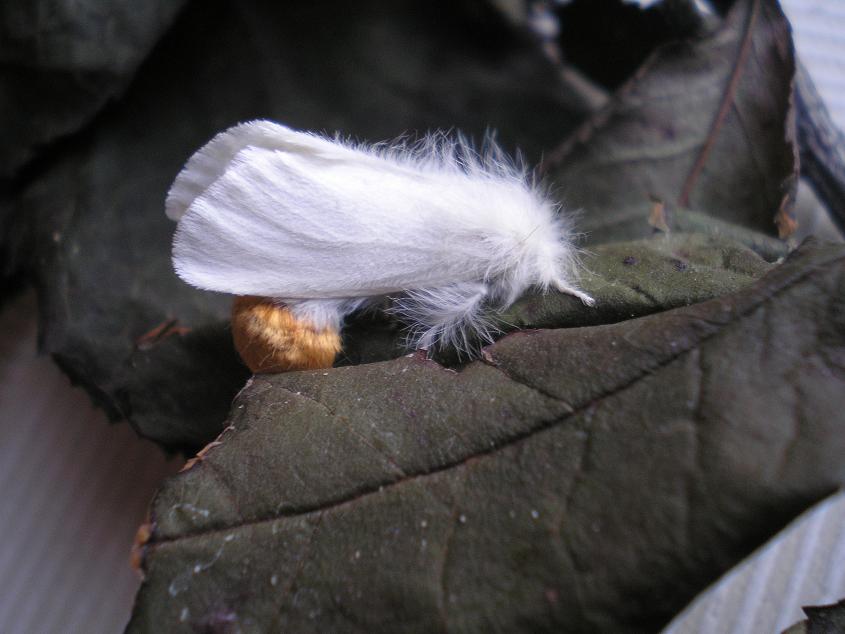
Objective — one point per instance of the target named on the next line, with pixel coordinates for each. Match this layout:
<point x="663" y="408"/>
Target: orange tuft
<point x="270" y="339"/>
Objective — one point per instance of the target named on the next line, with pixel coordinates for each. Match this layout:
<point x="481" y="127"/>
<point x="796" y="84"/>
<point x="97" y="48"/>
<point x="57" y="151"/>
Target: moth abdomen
<point x="271" y="338"/>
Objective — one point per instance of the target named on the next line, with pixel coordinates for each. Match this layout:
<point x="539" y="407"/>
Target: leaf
<point x="822" y="619"/>
<point x="631" y="279"/>
<point x="706" y="124"/>
<point x="100" y="243"/>
<point x="588" y="479"/>
<point x="633" y="221"/>
<point x="822" y="145"/>
<point x="62" y="62"/>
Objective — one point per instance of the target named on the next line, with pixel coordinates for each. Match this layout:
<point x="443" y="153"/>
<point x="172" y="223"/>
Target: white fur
<point x="324" y="225"/>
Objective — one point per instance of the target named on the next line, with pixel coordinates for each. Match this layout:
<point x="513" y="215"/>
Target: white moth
<point x="325" y="226"/>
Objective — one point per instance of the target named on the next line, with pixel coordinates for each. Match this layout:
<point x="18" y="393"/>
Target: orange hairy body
<point x="270" y="339"/>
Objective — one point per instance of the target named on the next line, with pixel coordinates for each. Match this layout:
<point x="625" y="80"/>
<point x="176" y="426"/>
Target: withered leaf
<point x="706" y="124"/>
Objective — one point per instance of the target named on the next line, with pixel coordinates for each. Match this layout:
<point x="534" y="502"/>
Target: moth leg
<point x="563" y="287"/>
<point x="451" y="315"/>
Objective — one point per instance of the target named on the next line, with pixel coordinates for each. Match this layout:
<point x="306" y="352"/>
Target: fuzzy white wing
<point x="264" y="210"/>
<point x="211" y="161"/>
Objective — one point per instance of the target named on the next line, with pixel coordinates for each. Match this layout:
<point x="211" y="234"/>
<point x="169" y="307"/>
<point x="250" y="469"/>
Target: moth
<point x="306" y="229"/>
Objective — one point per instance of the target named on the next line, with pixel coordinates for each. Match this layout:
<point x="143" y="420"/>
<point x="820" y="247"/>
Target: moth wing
<point x="209" y="163"/>
<point x="300" y="217"/>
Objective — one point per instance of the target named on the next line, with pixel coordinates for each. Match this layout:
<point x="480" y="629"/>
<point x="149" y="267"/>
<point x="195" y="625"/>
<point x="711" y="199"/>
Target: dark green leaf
<point x="586" y="479"/>
<point x="627" y="279"/>
<point x="634" y="221"/>
<point x="630" y="279"/>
